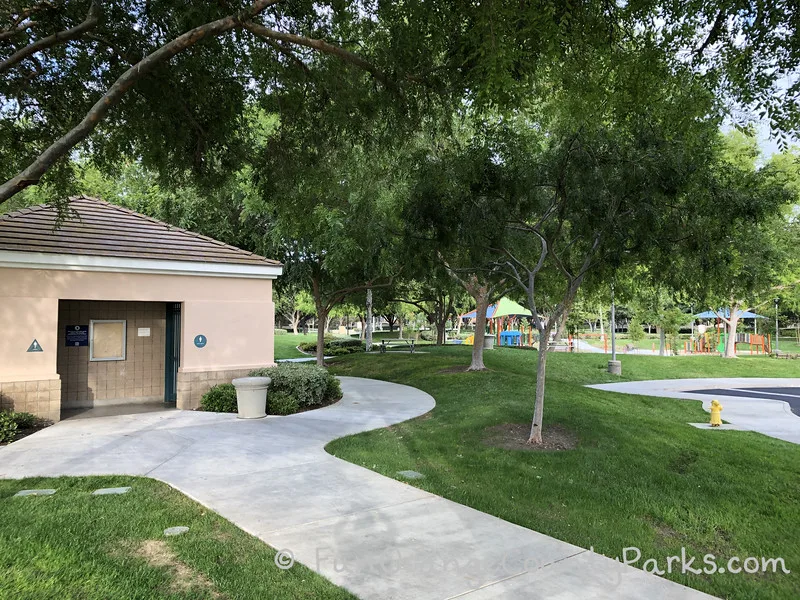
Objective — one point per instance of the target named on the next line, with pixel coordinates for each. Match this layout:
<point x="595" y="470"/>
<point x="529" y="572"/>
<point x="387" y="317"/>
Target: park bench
<point x="560" y="346"/>
<point x="397" y="343"/>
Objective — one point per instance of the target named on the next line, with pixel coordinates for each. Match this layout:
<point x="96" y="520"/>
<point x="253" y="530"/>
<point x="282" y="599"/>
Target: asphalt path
<point x="790" y="395"/>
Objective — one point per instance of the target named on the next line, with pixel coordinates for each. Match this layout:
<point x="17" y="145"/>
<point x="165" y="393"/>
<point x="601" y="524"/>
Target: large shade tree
<point x="599" y="175"/>
<point x="736" y="258"/>
<point x="328" y="209"/>
<point x="579" y="210"/>
<point x="170" y="82"/>
<point x="454" y="217"/>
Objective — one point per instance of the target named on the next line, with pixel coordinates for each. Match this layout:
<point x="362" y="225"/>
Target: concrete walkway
<point x="755" y="413"/>
<point x="379" y="538"/>
<point x="584" y="346"/>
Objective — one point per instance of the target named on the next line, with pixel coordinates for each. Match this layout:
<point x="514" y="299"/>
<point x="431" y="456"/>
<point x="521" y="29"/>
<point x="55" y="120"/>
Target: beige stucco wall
<point x="235" y="314"/>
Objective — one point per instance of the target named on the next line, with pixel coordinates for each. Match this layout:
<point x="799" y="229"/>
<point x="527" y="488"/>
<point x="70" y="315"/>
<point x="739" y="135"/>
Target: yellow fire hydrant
<point x="716" y="409"/>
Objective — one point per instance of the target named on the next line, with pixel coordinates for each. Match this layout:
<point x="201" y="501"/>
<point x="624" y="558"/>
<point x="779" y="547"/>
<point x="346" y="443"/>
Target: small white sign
<point x="144" y="332"/>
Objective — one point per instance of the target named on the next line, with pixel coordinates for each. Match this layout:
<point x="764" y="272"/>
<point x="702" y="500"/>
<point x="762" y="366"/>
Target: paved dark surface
<point x="791" y="395"/>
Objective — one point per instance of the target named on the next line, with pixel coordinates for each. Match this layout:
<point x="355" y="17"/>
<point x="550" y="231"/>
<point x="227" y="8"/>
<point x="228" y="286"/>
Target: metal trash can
<point x="488" y="342"/>
<point x="251" y="396"/>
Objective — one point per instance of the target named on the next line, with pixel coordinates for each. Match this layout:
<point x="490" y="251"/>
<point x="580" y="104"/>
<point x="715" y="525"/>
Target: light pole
<point x="613" y="326"/>
<point x="777" y="330"/>
<point x="614" y="366"/>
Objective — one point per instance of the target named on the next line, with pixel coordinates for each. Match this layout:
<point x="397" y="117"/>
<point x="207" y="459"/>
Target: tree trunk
<point x="369" y="320"/>
<point x="441" y="326"/>
<point x="562" y="323"/>
<point x="602" y="328"/>
<point x="733" y="323"/>
<point x="400" y="326"/>
<point x="322" y="318"/>
<point x="662" y="341"/>
<point x="295" y="321"/>
<point x="363" y="327"/>
<point x="480" y="333"/>
<point x="541" y="369"/>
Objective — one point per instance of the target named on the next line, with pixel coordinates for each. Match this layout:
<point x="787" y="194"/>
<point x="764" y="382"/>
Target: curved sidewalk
<point x="768" y="416"/>
<point x="377" y="537"/>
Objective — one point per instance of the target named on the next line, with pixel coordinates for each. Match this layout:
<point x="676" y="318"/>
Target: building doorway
<point x="115" y="354"/>
<point x="172" y="356"/>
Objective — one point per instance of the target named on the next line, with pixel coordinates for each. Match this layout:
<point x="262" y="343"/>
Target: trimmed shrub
<point x="345" y="343"/>
<point x="8" y="427"/>
<point x="24" y="420"/>
<point x="220" y="398"/>
<point x="333" y="391"/>
<point x="307" y="383"/>
<point x="282" y="403"/>
<point x="336" y="346"/>
<point x="337" y="351"/>
<point x="281" y="331"/>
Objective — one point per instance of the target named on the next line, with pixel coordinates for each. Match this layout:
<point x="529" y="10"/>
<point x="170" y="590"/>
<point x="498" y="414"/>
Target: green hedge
<point x="335" y="346"/>
<point x="25" y="420"/>
<point x="281" y="331"/>
<point x="8" y="427"/>
<point x="11" y="422"/>
<point x="309" y="384"/>
<point x="282" y="403"/>
<point x="220" y="398"/>
<point x="293" y="388"/>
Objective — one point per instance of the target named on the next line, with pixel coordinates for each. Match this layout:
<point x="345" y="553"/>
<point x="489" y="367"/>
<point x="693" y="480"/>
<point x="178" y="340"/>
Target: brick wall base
<point x="41" y="398"/>
<point x="192" y="386"/>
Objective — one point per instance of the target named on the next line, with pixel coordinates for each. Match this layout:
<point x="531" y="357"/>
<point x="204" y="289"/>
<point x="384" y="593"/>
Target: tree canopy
<point x="172" y="83"/>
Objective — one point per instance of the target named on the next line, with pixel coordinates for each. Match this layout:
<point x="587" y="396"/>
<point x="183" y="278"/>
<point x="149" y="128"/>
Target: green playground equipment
<point x="723" y="338"/>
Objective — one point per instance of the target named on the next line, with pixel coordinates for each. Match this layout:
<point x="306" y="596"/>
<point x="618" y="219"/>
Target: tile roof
<point x="98" y="228"/>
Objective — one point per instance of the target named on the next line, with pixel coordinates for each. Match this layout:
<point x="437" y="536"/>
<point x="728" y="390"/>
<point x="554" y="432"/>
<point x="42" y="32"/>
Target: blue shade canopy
<point x="742" y="314"/>
<point x="489" y="313"/>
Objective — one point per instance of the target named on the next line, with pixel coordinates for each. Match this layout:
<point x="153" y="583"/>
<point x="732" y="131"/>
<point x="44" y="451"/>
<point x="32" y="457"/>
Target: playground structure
<point x="506" y="320"/>
<point x="710" y="341"/>
<point x="714" y="342"/>
<point x="509" y="323"/>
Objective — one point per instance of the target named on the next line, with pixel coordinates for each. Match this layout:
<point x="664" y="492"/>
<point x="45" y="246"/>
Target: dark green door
<point x="173" y="352"/>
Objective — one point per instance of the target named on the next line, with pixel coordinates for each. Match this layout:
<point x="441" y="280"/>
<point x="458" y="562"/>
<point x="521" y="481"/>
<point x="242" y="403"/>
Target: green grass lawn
<point x="639" y="476"/>
<point x="74" y="545"/>
<point x="286" y="345"/>
<point x="790" y="345"/>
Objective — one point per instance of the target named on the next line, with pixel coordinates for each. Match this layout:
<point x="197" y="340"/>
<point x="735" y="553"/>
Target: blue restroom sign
<point x="200" y="341"/>
<point x="77" y="335"/>
<point x="35" y="347"/>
